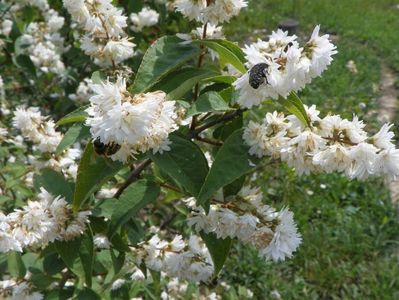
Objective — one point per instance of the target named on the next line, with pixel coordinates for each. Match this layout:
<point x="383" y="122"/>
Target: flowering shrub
<point x="127" y="154"/>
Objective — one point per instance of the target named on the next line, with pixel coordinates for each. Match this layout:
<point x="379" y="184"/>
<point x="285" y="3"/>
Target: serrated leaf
<point x="16" y="266"/>
<point x="208" y="102"/>
<point x="134" y="198"/>
<point x="54" y="183"/>
<point x="163" y="57"/>
<point x="218" y="248"/>
<point x="295" y="106"/>
<point x="231" y="162"/>
<point x="93" y="171"/>
<point x="185" y="163"/>
<point x="78" y="115"/>
<point x="178" y="83"/>
<point x="74" y="134"/>
<point x="226" y="54"/>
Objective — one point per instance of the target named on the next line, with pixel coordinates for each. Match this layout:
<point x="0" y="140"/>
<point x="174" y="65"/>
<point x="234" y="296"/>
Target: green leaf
<point x="163" y="57"/>
<point x="134" y="198"/>
<point x="178" y="83"/>
<point x="218" y="248"/>
<point x="20" y="46"/>
<point x="93" y="171"/>
<point x="16" y="266"/>
<point x="185" y="163"/>
<point x="78" y="115"/>
<point x="42" y="281"/>
<point x="221" y="79"/>
<point x="233" y="47"/>
<point x="208" y="102"/>
<point x="86" y="254"/>
<point x="226" y="53"/>
<point x="24" y="62"/>
<point x="223" y="131"/>
<point x="74" y="134"/>
<point x="54" y="183"/>
<point x="88" y="294"/>
<point x="231" y="162"/>
<point x="97" y="77"/>
<point x="69" y="252"/>
<point x="295" y="106"/>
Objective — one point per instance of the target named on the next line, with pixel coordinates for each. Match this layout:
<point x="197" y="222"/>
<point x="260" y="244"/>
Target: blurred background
<point x="350" y="229"/>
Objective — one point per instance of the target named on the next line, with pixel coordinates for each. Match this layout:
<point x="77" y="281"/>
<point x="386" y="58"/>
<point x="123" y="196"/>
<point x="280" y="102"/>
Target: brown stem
<point x="227" y="117"/>
<point x="167" y="186"/>
<point x="133" y="176"/>
<point x="209" y="141"/>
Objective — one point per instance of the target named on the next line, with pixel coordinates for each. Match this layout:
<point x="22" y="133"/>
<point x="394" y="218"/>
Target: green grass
<point x="350" y="230"/>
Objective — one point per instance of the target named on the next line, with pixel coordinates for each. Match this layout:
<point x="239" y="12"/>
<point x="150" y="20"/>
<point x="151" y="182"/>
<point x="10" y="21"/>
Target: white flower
<point x="137" y="274"/>
<point x="145" y="18"/>
<point x="117" y="284"/>
<point x="383" y="138"/>
<point x="387" y="163"/>
<point x="363" y="157"/>
<point x="320" y="50"/>
<point x="286" y="238"/>
<point x="192" y="9"/>
<point x="221" y="11"/>
<point x="135" y="122"/>
<point x="101" y="241"/>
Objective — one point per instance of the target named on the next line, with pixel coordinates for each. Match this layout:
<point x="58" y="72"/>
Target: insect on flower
<point x="105" y="149"/>
<point x="257" y="75"/>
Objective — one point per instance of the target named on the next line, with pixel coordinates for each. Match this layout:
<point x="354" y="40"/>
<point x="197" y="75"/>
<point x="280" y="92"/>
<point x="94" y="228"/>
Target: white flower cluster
<point x="45" y="45"/>
<point x="41" y="132"/>
<point x="15" y="289"/>
<point x="330" y="144"/>
<point x="185" y="260"/>
<point x="246" y="218"/>
<point x="136" y="123"/>
<point x="218" y="11"/>
<point x="147" y="17"/>
<point x="40" y="222"/>
<point x="83" y="92"/>
<point x="279" y="66"/>
<point x="105" y="39"/>
<point x="37" y="128"/>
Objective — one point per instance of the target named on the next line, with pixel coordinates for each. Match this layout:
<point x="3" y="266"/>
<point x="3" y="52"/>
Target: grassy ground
<point x="350" y="229"/>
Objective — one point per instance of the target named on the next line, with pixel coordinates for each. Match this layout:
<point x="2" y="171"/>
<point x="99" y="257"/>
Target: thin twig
<point x="133" y="176"/>
<point x="209" y="141"/>
<point x="167" y="186"/>
<point x="227" y="117"/>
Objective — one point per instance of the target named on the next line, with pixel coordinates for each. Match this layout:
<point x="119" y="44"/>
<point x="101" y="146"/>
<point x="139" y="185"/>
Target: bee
<point x="257" y="75"/>
<point x="290" y="44"/>
<point x="105" y="149"/>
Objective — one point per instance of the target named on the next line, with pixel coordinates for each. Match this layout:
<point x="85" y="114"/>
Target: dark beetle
<point x="105" y="149"/>
<point x="257" y="75"/>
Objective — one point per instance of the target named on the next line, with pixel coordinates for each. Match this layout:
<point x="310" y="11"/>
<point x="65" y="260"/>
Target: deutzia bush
<point x="128" y="147"/>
